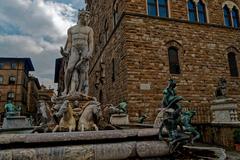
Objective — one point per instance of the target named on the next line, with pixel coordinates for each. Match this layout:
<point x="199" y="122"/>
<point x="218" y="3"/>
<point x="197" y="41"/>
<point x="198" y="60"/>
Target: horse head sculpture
<point x="90" y="116"/>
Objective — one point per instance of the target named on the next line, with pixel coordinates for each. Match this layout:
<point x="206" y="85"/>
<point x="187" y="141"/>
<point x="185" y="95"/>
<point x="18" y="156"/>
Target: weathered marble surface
<point x="108" y="151"/>
<point x="119" y="119"/>
<point x="111" y="144"/>
<point x="77" y="136"/>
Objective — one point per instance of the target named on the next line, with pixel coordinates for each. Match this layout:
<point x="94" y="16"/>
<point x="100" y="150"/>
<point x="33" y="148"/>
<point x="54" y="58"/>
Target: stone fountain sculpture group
<point x="74" y="109"/>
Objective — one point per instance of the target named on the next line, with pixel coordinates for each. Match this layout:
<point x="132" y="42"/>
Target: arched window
<point x="173" y="60"/>
<point x="235" y="17"/>
<point x="232" y="64"/>
<point x="192" y="11"/>
<point x="152" y="7"/>
<point x="1" y="79"/>
<point x="163" y="8"/>
<point x="202" y="12"/>
<point x="227" y="16"/>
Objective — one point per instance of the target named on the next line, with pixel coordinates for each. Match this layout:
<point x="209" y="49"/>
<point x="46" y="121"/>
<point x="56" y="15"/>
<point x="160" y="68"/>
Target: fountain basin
<point x="111" y="144"/>
<point x="24" y="130"/>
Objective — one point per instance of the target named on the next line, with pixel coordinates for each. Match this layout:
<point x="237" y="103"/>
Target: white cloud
<point x="43" y="27"/>
<point x="15" y="45"/>
<point x="48" y="83"/>
<point x="38" y="17"/>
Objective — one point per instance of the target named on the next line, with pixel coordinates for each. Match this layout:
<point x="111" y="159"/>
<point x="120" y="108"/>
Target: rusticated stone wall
<point x="109" y="45"/>
<point x="203" y="60"/>
<point x="140" y="43"/>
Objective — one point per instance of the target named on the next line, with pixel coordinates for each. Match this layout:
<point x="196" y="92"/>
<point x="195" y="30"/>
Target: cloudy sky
<point x="36" y="29"/>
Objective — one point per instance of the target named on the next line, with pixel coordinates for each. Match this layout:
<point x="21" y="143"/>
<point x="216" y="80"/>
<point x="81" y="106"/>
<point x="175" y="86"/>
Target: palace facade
<point x="141" y="44"/>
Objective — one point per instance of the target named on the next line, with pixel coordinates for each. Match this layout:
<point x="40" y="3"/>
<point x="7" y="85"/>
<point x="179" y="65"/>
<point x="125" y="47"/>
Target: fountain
<point x="14" y="122"/>
<point x="76" y="110"/>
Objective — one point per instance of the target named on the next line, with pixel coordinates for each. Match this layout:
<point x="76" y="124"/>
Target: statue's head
<point x="83" y="17"/>
<point x="171" y="83"/>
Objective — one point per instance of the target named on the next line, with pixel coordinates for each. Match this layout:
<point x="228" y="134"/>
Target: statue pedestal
<point x="119" y="119"/>
<point x="224" y="111"/>
<point x="12" y="122"/>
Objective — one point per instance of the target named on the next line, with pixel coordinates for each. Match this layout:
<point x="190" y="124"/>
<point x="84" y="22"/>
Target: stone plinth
<point x="119" y="119"/>
<point x="224" y="111"/>
<point x="16" y="122"/>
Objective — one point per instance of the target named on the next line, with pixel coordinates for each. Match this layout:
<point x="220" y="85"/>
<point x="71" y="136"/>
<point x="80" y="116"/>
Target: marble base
<point x="16" y="122"/>
<point x="224" y="111"/>
<point x="119" y="119"/>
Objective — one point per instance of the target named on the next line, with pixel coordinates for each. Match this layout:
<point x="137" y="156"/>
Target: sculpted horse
<point x="67" y="121"/>
<point x="90" y="116"/>
<point x="45" y="121"/>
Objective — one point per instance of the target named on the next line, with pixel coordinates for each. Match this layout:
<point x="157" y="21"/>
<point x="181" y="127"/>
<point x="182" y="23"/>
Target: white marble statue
<point x="79" y="49"/>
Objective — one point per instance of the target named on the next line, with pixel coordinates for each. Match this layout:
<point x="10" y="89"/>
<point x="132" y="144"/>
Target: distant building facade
<point x="141" y="44"/>
<point x="14" y="78"/>
<point x="59" y="75"/>
<point x="33" y="95"/>
<point x="46" y="94"/>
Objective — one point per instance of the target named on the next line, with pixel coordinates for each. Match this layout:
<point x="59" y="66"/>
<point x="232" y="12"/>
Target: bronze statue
<point x="174" y="117"/>
<point x="186" y="119"/>
<point x="11" y="109"/>
<point x="172" y="110"/>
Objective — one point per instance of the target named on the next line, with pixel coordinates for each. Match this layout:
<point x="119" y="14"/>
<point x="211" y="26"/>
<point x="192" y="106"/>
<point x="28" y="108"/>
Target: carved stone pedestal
<point x="16" y="122"/>
<point x="224" y="111"/>
<point x="119" y="119"/>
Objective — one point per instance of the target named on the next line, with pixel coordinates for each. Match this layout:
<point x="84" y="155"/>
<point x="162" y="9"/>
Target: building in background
<point x="46" y="94"/>
<point x="59" y="75"/>
<point x="141" y="44"/>
<point x="14" y="78"/>
<point x="32" y="96"/>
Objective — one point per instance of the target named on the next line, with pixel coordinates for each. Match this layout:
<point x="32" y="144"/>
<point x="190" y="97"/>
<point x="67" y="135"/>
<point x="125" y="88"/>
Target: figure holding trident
<point x="78" y="50"/>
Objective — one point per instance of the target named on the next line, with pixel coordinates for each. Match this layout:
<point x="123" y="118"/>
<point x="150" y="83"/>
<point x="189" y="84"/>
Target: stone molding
<point x="230" y="5"/>
<point x="232" y="49"/>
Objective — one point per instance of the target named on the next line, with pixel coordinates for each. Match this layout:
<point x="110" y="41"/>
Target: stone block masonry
<point x="135" y="54"/>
